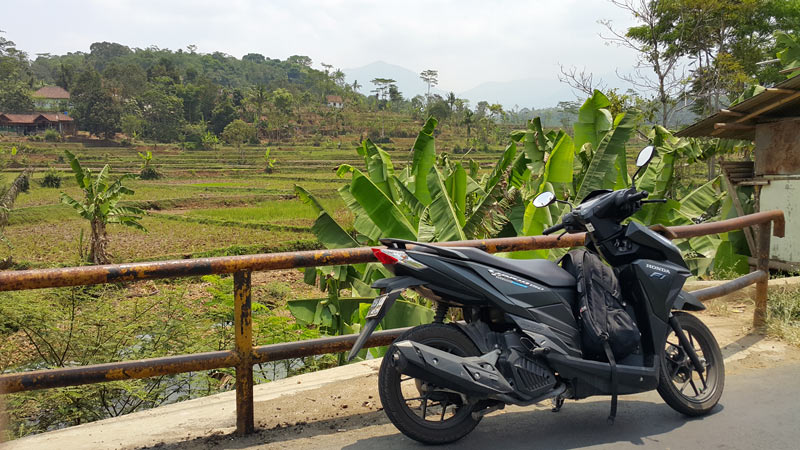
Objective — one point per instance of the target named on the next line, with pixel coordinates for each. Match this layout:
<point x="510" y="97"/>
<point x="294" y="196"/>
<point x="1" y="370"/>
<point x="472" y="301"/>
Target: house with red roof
<point x="51" y="98"/>
<point x="36" y="123"/>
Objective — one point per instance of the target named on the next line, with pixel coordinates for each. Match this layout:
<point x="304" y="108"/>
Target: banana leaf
<point x="456" y="185"/>
<point x="594" y="121"/>
<point x="534" y="146"/>
<point x="443" y="213"/>
<point x="695" y="205"/>
<point x="602" y="170"/>
<point x="726" y="261"/>
<point x="558" y="169"/>
<point x="407" y="199"/>
<point x="362" y="223"/>
<point x="379" y="208"/>
<point x="424" y="158"/>
<point x="325" y="228"/>
<point x="379" y="167"/>
<point x="501" y="167"/>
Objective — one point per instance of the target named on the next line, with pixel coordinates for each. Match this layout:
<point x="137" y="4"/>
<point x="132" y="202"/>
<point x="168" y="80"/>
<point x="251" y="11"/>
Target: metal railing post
<point x="243" y="330"/>
<point x="760" y="313"/>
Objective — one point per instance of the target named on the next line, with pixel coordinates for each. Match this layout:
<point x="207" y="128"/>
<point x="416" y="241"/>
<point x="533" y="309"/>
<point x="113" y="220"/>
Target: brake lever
<point x="655" y="200"/>
<point x="561" y="235"/>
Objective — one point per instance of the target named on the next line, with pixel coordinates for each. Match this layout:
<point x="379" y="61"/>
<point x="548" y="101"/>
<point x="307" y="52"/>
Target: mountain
<point x="408" y="81"/>
<point x="532" y="92"/>
<point x="527" y="93"/>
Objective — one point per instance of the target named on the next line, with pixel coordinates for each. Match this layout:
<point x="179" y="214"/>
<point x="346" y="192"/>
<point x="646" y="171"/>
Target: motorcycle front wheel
<point x="421" y="410"/>
<point x="683" y="388"/>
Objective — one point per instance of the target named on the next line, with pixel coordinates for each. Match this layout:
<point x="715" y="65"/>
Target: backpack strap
<point x="613" y="363"/>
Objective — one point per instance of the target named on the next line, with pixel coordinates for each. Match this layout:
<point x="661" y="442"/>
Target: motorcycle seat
<point x="540" y="270"/>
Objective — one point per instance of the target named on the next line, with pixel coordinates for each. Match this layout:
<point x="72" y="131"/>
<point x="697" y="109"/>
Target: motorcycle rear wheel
<point x="682" y="387"/>
<point x="441" y="416"/>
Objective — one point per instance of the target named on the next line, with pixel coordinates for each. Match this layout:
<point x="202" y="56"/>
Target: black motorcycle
<point x="520" y="340"/>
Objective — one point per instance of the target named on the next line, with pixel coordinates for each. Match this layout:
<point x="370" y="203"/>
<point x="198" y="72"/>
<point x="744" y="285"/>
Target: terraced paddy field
<point x="208" y="202"/>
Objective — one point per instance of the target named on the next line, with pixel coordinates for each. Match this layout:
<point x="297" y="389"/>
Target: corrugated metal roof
<point x="782" y="100"/>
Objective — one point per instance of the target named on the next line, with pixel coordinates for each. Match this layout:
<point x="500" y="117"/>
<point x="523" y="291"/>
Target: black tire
<point x="676" y="370"/>
<point x="390" y="388"/>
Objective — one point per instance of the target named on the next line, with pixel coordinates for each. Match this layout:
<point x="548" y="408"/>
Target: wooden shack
<point x="772" y="120"/>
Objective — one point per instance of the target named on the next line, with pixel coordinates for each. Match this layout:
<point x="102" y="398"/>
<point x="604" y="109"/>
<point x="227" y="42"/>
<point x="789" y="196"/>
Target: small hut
<point x="772" y="120"/>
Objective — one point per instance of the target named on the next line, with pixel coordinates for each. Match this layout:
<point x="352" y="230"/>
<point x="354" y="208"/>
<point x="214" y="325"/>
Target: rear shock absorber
<point x="441" y="312"/>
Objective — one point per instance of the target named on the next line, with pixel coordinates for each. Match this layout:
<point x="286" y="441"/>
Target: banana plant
<point x="435" y="198"/>
<point x="100" y="205"/>
<point x="432" y="199"/>
<point x="570" y="167"/>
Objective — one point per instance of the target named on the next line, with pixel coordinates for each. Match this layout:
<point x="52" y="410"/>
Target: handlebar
<point x="638" y="196"/>
<point x="614" y="206"/>
<point x="553" y="229"/>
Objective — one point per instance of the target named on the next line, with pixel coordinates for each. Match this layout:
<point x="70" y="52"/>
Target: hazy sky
<point x="469" y="42"/>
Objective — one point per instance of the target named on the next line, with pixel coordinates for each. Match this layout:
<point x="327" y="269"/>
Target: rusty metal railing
<point x="245" y="355"/>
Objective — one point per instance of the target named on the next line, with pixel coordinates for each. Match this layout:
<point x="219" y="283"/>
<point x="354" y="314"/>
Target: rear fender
<point x="390" y="284"/>
<point x="391" y="288"/>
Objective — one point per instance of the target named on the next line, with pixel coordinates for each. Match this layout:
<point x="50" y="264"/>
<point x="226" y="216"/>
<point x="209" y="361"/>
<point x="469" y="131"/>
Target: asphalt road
<point x="760" y="409"/>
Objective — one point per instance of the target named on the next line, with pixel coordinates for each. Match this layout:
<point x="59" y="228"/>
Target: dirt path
<point x="314" y="418"/>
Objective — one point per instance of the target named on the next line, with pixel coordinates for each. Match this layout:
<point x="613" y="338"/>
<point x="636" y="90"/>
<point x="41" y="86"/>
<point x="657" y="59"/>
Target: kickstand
<point x="558" y="402"/>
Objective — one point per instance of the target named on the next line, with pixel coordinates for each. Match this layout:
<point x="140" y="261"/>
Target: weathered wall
<point x="778" y="148"/>
<point x="784" y="194"/>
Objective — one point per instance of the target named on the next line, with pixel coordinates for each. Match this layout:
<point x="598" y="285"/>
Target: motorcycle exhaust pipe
<point x="471" y="375"/>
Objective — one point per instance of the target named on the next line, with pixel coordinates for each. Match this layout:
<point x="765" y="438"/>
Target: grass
<point x="783" y="314"/>
<point x="285" y="212"/>
<point x="57" y="243"/>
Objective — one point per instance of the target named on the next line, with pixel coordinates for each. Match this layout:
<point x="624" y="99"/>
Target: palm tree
<point x="100" y="206"/>
<point x="259" y="96"/>
<point x="468" y="121"/>
<point x="451" y="100"/>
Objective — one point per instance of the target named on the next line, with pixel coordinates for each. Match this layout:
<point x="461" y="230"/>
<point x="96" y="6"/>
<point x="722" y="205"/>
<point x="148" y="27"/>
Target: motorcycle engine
<point x="529" y="376"/>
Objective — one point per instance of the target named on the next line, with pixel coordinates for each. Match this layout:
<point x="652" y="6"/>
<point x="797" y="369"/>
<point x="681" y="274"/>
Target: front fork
<point x="687" y="346"/>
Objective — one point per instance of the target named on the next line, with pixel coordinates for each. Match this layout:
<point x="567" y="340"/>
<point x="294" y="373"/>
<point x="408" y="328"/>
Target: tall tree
<point x="15" y="95"/>
<point x="431" y="78"/>
<point x="162" y="113"/>
<point x="95" y="109"/>
<point x="382" y="87"/>
<point x="650" y="39"/>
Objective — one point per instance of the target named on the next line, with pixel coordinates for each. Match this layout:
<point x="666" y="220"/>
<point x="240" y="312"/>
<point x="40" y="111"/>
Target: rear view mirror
<point x="544" y="199"/>
<point x="645" y="156"/>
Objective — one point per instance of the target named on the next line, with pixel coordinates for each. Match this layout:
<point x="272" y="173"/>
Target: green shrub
<point x="149" y="173"/>
<point x="51" y="179"/>
<point x="25" y="186"/>
<point x="278" y="290"/>
<point x="52" y="135"/>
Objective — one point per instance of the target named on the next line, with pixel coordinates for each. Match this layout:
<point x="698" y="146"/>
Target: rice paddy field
<point x="208" y="202"/>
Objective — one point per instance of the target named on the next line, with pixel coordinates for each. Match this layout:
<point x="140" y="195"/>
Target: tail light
<point x="389" y="257"/>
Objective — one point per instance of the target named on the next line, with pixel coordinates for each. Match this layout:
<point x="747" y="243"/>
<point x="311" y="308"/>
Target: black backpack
<point x="608" y="330"/>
